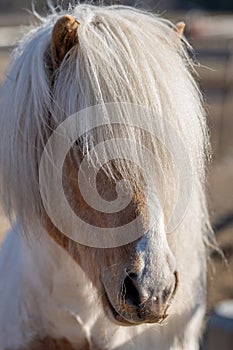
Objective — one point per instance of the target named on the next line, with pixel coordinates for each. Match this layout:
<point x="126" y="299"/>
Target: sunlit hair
<point x="123" y="55"/>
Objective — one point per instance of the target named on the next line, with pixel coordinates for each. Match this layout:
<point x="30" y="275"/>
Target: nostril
<point x="130" y="291"/>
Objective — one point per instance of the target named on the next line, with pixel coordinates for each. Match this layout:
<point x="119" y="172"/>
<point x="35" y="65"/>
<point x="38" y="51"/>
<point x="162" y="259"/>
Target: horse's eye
<point x="79" y="143"/>
<point x="80" y="146"/>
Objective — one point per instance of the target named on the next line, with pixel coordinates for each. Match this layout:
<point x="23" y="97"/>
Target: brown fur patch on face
<point x="53" y="344"/>
<point x="107" y="190"/>
<point x="105" y="268"/>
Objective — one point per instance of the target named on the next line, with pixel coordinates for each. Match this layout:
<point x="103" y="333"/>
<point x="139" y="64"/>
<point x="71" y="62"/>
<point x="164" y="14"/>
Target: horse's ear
<point x="64" y="37"/>
<point x="179" y="29"/>
<point x="177" y="33"/>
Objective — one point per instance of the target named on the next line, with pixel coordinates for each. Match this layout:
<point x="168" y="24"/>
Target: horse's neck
<point x="46" y="291"/>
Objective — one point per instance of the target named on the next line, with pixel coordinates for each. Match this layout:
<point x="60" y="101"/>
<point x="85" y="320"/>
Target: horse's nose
<point x="135" y="294"/>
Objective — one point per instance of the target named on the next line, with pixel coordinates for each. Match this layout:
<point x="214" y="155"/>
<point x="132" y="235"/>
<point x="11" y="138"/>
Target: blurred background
<point x="209" y="28"/>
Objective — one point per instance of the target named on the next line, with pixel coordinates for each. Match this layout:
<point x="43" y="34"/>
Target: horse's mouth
<point x="115" y="315"/>
<point x="120" y="319"/>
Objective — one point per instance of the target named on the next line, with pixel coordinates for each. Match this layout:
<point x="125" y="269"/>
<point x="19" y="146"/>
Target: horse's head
<point x="136" y="280"/>
<point x="108" y="55"/>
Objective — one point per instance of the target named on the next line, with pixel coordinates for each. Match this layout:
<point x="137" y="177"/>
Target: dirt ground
<point x="220" y="275"/>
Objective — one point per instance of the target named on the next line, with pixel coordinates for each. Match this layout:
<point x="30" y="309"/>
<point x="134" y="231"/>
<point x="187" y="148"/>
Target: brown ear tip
<point x="66" y="21"/>
<point x="180" y="24"/>
<point x="69" y="17"/>
<point x="179" y="28"/>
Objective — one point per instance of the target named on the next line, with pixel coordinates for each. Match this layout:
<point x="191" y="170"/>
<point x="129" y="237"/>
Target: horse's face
<point x="136" y="281"/>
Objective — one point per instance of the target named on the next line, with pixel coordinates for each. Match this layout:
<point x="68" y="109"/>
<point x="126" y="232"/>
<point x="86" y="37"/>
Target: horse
<point x="103" y="155"/>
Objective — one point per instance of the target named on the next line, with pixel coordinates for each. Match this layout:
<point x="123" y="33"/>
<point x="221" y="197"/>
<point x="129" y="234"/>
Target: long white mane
<point x="123" y="55"/>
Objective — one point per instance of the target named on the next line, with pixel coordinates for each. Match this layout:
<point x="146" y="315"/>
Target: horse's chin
<point x="120" y="319"/>
<point x="114" y="315"/>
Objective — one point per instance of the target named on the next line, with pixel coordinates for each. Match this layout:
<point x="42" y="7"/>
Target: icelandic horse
<point x="148" y="292"/>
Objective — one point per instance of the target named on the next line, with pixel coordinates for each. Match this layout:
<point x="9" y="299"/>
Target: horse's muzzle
<point x="138" y="306"/>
